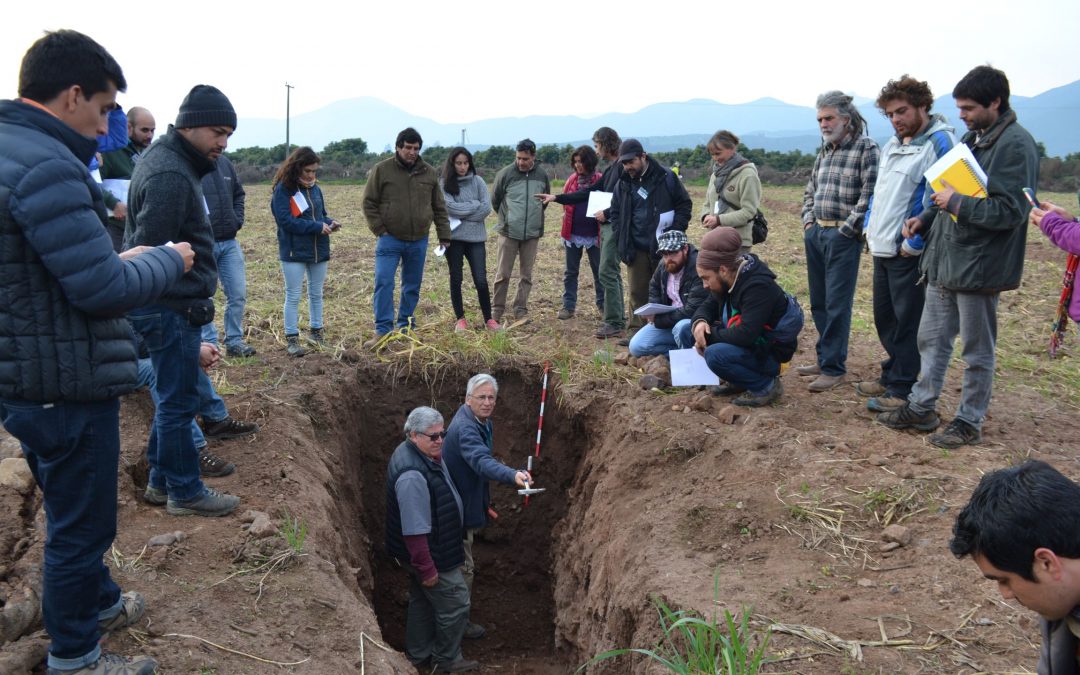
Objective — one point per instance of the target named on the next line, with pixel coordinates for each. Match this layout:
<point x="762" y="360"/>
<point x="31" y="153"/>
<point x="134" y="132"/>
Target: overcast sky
<point x="468" y="60"/>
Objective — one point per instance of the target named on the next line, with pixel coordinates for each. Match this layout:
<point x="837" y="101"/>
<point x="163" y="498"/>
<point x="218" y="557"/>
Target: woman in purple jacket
<point x="1063" y="231"/>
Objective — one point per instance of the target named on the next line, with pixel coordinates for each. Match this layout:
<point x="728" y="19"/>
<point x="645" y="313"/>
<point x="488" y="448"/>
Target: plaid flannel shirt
<point x="841" y="184"/>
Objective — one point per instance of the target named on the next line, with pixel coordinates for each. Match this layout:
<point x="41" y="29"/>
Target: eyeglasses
<point x="438" y="436"/>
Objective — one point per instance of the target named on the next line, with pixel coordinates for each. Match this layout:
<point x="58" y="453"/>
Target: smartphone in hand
<point x="1030" y="194"/>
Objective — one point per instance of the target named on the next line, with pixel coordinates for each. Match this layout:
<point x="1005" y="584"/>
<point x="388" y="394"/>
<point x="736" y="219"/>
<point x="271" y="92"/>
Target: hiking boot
<point x="228" y="428"/>
<point x="239" y="349"/>
<point x="371" y="344"/>
<point x="113" y="664"/>
<point x="492" y="324"/>
<point x="756" y="401"/>
<point x="565" y="314"/>
<point x="132" y="607"/>
<point x="608" y="331"/>
<point x="726" y="389"/>
<point x="474" y="631"/>
<point x="812" y="369"/>
<point x="154" y="496"/>
<point x="459" y="666"/>
<point x="293" y="346"/>
<point x="212" y="466"/>
<point x="316" y="337"/>
<point x="461" y="326"/>
<point x="906" y="418"/>
<point x="957" y="434"/>
<point x="520" y="313"/>
<point x="870" y="388"/>
<point x="826" y="382"/>
<point x="210" y="503"/>
<point x="881" y="404"/>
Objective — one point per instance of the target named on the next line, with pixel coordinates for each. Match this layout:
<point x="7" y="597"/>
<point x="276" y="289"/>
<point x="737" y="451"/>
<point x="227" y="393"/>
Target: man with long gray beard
<point x="835" y="202"/>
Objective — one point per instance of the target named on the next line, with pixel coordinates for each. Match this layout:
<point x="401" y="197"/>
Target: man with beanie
<point x="748" y="326"/>
<point x="67" y="353"/>
<point x="648" y="201"/>
<point x="833" y="214"/>
<point x="166" y="203"/>
<point x="675" y="283"/>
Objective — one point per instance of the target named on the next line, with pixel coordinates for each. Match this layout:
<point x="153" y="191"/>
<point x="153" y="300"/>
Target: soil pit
<point x="513" y="589"/>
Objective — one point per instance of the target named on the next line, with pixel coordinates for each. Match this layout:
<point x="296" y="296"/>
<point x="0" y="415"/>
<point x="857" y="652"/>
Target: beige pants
<point x="508" y="251"/>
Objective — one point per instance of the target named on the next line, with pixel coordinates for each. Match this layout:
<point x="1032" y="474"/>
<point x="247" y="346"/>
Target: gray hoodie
<point x="470" y="205"/>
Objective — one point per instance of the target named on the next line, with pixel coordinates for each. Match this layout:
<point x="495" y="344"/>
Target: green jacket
<point x="513" y="197"/>
<point x="403" y="202"/>
<point x="742" y="191"/>
<point x="117" y="164"/>
<point x="983" y="249"/>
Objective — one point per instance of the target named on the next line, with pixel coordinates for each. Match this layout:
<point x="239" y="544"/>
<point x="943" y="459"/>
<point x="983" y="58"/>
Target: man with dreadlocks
<point x="833" y="214"/>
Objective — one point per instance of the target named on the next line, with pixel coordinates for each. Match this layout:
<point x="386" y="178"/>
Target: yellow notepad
<point x="959" y="168"/>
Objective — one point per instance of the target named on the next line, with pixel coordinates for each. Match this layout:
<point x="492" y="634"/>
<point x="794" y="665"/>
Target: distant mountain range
<point x="1052" y="117"/>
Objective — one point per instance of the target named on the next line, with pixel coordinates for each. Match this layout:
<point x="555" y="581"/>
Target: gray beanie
<point x="205" y="106"/>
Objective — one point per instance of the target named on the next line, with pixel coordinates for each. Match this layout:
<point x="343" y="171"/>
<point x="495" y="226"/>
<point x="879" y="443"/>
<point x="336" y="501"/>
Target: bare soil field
<point x="667" y="494"/>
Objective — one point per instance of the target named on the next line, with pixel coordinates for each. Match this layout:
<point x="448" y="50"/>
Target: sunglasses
<point x="434" y="437"/>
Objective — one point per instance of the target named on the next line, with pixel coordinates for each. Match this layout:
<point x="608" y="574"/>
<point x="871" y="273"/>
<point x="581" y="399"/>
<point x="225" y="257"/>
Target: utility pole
<point x="463" y="138"/>
<point x="288" y="95"/>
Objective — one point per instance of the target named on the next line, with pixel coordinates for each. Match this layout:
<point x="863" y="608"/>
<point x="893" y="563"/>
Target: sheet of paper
<point x="598" y="201"/>
<point x="454" y="223"/>
<point x="118" y="187"/>
<point x="666" y="219"/>
<point x="301" y="203"/>
<point x="654" y="308"/>
<point x="688" y="369"/>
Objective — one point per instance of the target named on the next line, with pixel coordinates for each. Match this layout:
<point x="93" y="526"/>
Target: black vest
<point x="444" y="540"/>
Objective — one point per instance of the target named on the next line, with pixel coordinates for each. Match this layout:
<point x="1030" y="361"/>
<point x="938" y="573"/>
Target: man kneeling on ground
<point x="747" y="326"/>
<point x="674" y="283"/>
<point x="1021" y="528"/>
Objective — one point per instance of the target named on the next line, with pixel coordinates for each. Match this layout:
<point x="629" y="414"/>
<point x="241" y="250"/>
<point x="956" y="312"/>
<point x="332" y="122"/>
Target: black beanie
<point x="205" y="106"/>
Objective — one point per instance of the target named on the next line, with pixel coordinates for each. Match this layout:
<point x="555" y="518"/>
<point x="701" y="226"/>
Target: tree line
<point x="350" y="159"/>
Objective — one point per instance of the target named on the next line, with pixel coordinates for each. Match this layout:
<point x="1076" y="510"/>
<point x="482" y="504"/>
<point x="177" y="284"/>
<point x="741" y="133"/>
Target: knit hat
<point x="719" y="247"/>
<point x="672" y="240"/>
<point x="205" y="106"/>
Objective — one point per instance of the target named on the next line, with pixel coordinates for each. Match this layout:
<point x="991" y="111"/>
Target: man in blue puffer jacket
<point x="66" y="352"/>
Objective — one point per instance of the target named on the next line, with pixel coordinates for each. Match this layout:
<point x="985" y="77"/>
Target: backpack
<point x="759" y="226"/>
<point x="789" y="326"/>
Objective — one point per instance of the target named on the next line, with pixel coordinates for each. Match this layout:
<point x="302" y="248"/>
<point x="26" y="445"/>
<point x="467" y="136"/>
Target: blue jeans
<point x="230" y="265"/>
<point x="389" y="251"/>
<point x="294" y="283"/>
<point x="651" y="340"/>
<point x="174" y="353"/>
<point x="898" y="307"/>
<point x="570" y="276"/>
<point x="211" y="406"/>
<point x="832" y="269"/>
<point x="73" y="450"/>
<point x="737" y="365"/>
<point x="974" y="317"/>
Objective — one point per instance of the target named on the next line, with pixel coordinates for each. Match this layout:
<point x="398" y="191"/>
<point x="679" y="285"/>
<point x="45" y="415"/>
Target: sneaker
<point x="113" y="664"/>
<point x="957" y="434"/>
<point x="806" y="371"/>
<point x="492" y="324"/>
<point x="132" y="607"/>
<point x="520" y="313"/>
<point x="239" y="350"/>
<point x="752" y="401"/>
<point x="608" y="331"/>
<point x="906" y="418"/>
<point x="726" y="389"/>
<point x="870" y="388"/>
<point x="374" y="341"/>
<point x="293" y="346"/>
<point x="212" y="466"/>
<point x="882" y="404"/>
<point x="459" y="666"/>
<point x="461" y="326"/>
<point x="228" y="428"/>
<point x="154" y="496"/>
<point x="825" y="382"/>
<point x="474" y="631"/>
<point x="210" y="503"/>
<point x="565" y="314"/>
<point x="316" y="337"/>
